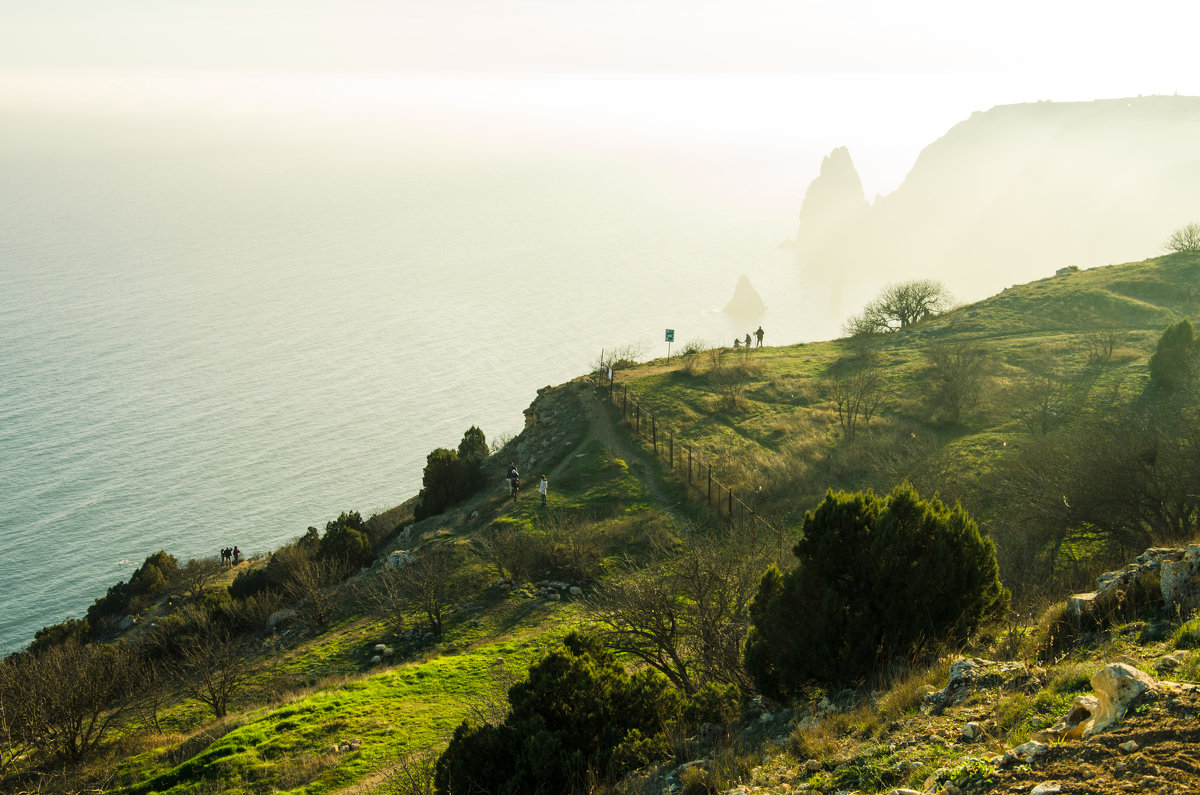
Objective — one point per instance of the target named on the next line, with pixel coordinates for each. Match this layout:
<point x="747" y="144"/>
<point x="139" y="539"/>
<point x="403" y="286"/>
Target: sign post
<point x="670" y="339"/>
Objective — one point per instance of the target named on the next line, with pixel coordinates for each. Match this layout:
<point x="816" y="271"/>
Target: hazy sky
<point x="941" y="36"/>
<point x="882" y="77"/>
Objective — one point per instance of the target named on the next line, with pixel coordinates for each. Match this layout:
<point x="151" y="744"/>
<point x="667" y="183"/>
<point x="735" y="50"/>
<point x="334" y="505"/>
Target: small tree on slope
<point x="878" y="577"/>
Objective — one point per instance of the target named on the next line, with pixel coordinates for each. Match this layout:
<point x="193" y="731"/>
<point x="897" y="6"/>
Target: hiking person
<point x="737" y="343"/>
<point x="543" y="485"/>
<point x="747" y="339"/>
<point x="514" y="480"/>
<point x="759" y="334"/>
<point x="237" y="553"/>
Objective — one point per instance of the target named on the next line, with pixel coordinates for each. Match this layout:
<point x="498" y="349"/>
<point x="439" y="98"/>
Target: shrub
<point x="345" y="542"/>
<point x="1188" y="635"/>
<point x="76" y="630"/>
<point x="578" y="717"/>
<point x="1173" y="362"/>
<point x="250" y="583"/>
<point x="878" y="578"/>
<point x="451" y="475"/>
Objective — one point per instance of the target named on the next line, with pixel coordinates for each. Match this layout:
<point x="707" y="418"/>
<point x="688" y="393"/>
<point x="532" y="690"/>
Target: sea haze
<point x="221" y="329"/>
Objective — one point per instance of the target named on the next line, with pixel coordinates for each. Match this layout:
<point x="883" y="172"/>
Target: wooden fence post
<point x="710" y="485"/>
<point x="654" y="433"/>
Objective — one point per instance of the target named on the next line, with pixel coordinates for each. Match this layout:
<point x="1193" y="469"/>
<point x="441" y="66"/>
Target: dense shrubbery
<point x="451" y="475"/>
<point x="578" y="718"/>
<point x="1173" y="363"/>
<point x="878" y="577"/>
<point x="345" y="542"/>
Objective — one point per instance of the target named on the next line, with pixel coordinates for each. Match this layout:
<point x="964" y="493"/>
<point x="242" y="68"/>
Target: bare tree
<point x="413" y="774"/>
<point x="1102" y="343"/>
<point x="212" y="664"/>
<point x="573" y="546"/>
<point x="1047" y="399"/>
<point x="310" y="585"/>
<point x="899" y="306"/>
<point x="687" y="615"/>
<point x="79" y="692"/>
<point x="16" y="710"/>
<point x="856" y="395"/>
<point x="1185" y="238"/>
<point x="506" y="549"/>
<point x="428" y="584"/>
<point x="961" y="368"/>
<point x="195" y="576"/>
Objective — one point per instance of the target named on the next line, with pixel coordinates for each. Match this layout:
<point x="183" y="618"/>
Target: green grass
<point x="412" y="707"/>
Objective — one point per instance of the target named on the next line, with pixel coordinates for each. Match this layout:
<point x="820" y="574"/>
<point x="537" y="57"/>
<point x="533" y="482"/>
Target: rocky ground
<point x="1154" y="749"/>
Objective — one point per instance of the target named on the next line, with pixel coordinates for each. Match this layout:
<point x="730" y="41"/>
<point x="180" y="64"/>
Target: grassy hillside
<point x="1048" y="366"/>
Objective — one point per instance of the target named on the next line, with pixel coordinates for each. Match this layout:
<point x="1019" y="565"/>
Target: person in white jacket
<point x="543" y="485"/>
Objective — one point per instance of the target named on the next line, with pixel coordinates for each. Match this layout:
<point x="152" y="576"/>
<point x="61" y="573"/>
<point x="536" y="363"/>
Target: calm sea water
<point x="221" y="331"/>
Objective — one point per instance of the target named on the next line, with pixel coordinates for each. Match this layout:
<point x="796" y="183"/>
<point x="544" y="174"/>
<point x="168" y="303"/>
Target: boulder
<point x="1073" y="727"/>
<point x="1116" y="686"/>
<point x="1180" y="582"/>
<point x="971" y="732"/>
<point x="399" y="558"/>
<point x="280" y="616"/>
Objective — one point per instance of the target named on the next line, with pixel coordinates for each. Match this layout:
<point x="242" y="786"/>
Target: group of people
<point x="514" y="483"/>
<point x="230" y="556"/>
<point x="737" y="343"/>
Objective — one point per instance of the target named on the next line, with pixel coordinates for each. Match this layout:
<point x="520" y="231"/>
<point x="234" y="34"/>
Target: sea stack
<point x="746" y="305"/>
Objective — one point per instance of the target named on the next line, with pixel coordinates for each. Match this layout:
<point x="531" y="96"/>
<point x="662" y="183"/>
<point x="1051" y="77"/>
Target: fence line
<point x="697" y="473"/>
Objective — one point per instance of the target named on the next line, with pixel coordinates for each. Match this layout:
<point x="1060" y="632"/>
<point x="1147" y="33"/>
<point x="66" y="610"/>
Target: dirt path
<point x="601" y="420"/>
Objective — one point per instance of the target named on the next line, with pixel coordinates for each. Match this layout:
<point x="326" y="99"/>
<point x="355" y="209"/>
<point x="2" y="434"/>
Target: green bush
<point x="878" y="578"/>
<point x="578" y="718"/>
<point x="450" y="476"/>
<point x="345" y="542"/>
<point x="1174" y="360"/>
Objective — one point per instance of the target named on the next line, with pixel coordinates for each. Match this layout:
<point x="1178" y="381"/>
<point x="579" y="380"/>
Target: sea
<point x="233" y="307"/>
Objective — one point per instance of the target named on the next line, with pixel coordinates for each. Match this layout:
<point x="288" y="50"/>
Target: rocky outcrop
<point x="747" y="305"/>
<point x="833" y="203"/>
<point x="1014" y="193"/>
<point x="1180" y="581"/>
<point x="1178" y="571"/>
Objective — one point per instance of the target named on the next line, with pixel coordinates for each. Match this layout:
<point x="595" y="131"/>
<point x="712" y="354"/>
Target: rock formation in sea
<point x="747" y="305"/>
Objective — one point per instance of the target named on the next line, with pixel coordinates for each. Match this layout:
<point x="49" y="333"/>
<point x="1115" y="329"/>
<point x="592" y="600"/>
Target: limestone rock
<point x="280" y="616"/>
<point x="1180" y="582"/>
<point x="400" y="558"/>
<point x="1116" y="685"/>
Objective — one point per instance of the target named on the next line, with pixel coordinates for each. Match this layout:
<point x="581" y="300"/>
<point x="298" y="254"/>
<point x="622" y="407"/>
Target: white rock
<point x="1031" y="750"/>
<point x="399" y="558"/>
<point x="1116" y="685"/>
<point x="279" y="616"/>
<point x="1046" y="788"/>
<point x="1129" y="747"/>
<point x="972" y="731"/>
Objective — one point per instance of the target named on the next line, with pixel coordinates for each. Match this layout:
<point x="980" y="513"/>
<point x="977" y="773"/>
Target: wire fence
<point x="683" y="461"/>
